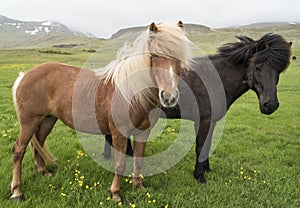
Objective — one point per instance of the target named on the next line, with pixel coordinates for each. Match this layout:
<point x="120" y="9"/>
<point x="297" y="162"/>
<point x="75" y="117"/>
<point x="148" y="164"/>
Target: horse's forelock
<point x="274" y="50"/>
<point x="271" y="48"/>
<point x="170" y="40"/>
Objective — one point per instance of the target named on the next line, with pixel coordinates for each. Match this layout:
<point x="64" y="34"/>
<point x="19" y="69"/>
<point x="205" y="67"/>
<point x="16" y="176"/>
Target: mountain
<point x="189" y="28"/>
<point x="16" y="33"/>
<point x="37" y="28"/>
<point x="46" y="34"/>
<point x="268" y="24"/>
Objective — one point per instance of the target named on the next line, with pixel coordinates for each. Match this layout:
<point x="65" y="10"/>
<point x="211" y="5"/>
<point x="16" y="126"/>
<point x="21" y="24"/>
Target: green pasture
<point x="256" y="162"/>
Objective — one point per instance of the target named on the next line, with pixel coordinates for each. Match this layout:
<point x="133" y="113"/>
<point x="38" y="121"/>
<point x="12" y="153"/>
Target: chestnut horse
<point x="116" y="100"/>
<point x="243" y="65"/>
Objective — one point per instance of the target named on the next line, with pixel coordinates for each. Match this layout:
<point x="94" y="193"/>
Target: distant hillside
<point x="269" y="24"/>
<point x="46" y="34"/>
<point x="22" y="34"/>
<point x="35" y="28"/>
<point x="189" y="28"/>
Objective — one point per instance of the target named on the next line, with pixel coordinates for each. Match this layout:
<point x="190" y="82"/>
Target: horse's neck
<point x="233" y="78"/>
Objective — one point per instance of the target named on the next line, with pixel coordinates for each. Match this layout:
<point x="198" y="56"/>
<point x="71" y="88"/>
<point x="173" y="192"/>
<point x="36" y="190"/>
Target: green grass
<point x="256" y="163"/>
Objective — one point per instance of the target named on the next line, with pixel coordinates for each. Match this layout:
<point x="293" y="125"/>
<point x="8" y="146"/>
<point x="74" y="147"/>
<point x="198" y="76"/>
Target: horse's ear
<point x="180" y="24"/>
<point x="153" y="27"/>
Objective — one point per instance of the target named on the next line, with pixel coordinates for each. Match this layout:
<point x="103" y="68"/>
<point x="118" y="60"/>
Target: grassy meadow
<point x="256" y="163"/>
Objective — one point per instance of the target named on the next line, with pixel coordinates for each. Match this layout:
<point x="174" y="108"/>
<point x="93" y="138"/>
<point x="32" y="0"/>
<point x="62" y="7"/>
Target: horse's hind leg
<point x="41" y="134"/>
<point x="107" y="147"/>
<point x="19" y="149"/>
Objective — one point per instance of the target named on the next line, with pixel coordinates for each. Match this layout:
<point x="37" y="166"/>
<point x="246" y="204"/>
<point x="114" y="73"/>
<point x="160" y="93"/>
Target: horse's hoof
<point x="206" y="169"/>
<point x="116" y="199"/>
<point x="44" y="172"/>
<point x="47" y="174"/>
<point x="17" y="198"/>
<point x="200" y="178"/>
<point x="139" y="187"/>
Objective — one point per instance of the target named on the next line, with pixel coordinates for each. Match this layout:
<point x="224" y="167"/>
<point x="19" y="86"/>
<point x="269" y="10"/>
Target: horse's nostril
<point x="266" y="105"/>
<point x="173" y="99"/>
<point x="269" y="107"/>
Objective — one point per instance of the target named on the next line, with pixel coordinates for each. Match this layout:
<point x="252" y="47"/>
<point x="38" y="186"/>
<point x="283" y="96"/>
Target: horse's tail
<point x="35" y="145"/>
<point x="43" y="151"/>
<point x="14" y="91"/>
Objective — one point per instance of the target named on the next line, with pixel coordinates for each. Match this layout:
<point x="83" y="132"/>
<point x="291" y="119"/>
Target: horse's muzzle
<point x="168" y="99"/>
<point x="269" y="107"/>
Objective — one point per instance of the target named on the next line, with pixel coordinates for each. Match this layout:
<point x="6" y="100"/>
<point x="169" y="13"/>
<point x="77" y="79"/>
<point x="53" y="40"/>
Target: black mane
<point x="271" y="49"/>
<point x="238" y="52"/>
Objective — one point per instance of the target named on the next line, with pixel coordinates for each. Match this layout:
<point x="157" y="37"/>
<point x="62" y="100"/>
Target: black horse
<point x="243" y="65"/>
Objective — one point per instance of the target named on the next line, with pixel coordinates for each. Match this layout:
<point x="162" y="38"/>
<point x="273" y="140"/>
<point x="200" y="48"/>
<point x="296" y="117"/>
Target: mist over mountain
<point x="40" y="34"/>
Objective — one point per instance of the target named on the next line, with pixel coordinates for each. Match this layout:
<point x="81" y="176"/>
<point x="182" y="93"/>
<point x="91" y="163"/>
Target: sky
<point x="102" y="18"/>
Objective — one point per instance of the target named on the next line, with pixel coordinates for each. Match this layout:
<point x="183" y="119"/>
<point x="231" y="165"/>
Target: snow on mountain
<point x="32" y="28"/>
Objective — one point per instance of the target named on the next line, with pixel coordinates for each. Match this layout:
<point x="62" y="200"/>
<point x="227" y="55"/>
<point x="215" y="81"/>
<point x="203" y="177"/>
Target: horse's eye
<point x="257" y="68"/>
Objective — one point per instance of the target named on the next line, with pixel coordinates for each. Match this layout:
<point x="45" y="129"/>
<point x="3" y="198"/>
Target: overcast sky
<point x="103" y="18"/>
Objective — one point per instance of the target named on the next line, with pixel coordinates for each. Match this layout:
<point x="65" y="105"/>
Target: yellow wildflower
<point x="80" y="183"/>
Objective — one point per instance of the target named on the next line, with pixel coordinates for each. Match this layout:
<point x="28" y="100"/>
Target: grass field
<point x="256" y="163"/>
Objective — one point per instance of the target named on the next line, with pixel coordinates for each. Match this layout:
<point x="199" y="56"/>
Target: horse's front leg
<point x="139" y="150"/>
<point x="120" y="145"/>
<point x="203" y="143"/>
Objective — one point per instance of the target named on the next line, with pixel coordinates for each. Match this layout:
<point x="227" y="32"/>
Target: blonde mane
<point x="169" y="41"/>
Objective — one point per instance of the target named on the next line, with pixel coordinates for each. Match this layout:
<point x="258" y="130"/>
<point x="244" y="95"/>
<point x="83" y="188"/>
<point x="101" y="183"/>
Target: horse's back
<point x="45" y="89"/>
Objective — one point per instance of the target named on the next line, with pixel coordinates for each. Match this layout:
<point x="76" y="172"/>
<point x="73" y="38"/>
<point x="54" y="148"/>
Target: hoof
<point x="115" y="198"/>
<point x="47" y="174"/>
<point x="206" y="169"/>
<point x="44" y="172"/>
<point x="200" y="178"/>
<point x="139" y="187"/>
<point x="17" y="198"/>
